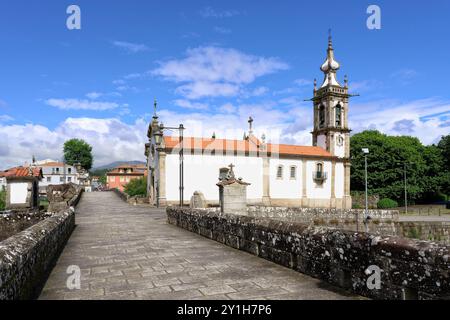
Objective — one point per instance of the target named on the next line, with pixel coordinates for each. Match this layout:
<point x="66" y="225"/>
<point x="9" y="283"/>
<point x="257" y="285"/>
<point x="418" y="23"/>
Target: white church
<point x="279" y="174"/>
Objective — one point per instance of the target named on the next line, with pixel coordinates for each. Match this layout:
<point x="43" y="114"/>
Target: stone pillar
<point x="234" y="199"/>
<point x="304" y="193"/>
<point x="162" y="179"/>
<point x="266" y="181"/>
<point x="347" y="197"/>
<point x="232" y="193"/>
<point x="333" y="185"/>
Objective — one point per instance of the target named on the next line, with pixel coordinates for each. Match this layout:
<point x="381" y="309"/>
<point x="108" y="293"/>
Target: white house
<point x="280" y="174"/>
<point x="22" y="187"/>
<point x="57" y="173"/>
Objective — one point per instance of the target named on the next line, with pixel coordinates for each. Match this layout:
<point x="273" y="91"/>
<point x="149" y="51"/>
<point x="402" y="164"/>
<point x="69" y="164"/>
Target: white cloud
<point x="287" y="121"/>
<point x="404" y="76"/>
<point x="190" y="105"/>
<point x="303" y="82"/>
<point x="209" y="12"/>
<point x="424" y="119"/>
<point x="111" y="139"/>
<point x="227" y="108"/>
<point x="77" y="104"/>
<point x="365" y="85"/>
<point x="222" y="30"/>
<point x="131" y="47"/>
<point x="5" y="118"/>
<point x="119" y="82"/>
<point x="200" y="89"/>
<point x="94" y="95"/>
<point x="213" y="71"/>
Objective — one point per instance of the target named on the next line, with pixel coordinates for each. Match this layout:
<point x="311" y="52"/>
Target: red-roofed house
<point x="120" y="176"/>
<point x="280" y="174"/>
<point x="22" y="187"/>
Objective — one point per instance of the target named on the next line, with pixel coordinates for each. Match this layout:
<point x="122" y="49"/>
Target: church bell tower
<point x="331" y="130"/>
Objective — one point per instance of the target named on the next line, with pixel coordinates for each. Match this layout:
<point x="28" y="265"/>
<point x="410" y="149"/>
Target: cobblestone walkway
<point x="130" y="252"/>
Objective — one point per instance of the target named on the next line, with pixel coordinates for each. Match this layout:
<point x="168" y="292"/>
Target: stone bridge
<point x="131" y="252"/>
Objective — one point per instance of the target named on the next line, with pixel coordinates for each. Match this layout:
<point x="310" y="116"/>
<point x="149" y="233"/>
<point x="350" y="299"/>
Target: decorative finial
<point x="330" y="41"/>
<point x="263" y="138"/>
<point x="346" y="81"/>
<point x="250" y="124"/>
<point x="155" y="105"/>
<point x="315" y="84"/>
<point x="214" y="135"/>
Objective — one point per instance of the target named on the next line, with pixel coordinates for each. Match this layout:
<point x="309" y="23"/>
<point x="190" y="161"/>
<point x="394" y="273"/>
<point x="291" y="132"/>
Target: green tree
<point x="136" y="187"/>
<point x="77" y="150"/>
<point x="444" y="146"/>
<point x="2" y="199"/>
<point x="386" y="160"/>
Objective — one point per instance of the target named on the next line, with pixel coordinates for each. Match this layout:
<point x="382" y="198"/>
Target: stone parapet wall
<point x="131" y="200"/>
<point x="27" y="257"/>
<point x="122" y="195"/>
<point x="410" y="269"/>
<point x="309" y="214"/>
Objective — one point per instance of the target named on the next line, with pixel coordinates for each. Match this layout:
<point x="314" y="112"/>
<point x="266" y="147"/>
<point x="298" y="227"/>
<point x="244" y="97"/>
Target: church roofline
<point x="243" y="146"/>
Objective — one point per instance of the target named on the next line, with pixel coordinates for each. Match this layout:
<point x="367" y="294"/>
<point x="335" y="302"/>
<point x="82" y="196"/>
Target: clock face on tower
<point x="340" y="140"/>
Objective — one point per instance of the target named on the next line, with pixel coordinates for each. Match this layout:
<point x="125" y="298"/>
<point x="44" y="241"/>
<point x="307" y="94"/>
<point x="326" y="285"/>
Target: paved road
<point x="130" y="252"/>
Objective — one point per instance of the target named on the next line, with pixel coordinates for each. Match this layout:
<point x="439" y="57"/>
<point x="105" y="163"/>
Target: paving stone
<point x="217" y="290"/>
<point x="130" y="252"/>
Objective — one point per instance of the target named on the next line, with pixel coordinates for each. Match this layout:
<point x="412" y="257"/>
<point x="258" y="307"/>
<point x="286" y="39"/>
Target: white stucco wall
<point x="322" y="141"/>
<point x="18" y="192"/>
<point x="339" y="180"/>
<point x="201" y="172"/>
<point x="339" y="150"/>
<point x="313" y="189"/>
<point x="285" y="188"/>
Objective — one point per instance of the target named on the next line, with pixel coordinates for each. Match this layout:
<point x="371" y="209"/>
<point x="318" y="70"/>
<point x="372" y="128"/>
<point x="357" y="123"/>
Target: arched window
<point x="321" y="116"/>
<point x="293" y="172"/>
<point x="319" y="167"/>
<point x="319" y="175"/>
<point x="280" y="172"/>
<point x="338" y="115"/>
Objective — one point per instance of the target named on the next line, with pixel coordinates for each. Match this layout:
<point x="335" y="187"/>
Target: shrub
<point x="2" y="199"/>
<point x="387" y="203"/>
<point x="136" y="187"/>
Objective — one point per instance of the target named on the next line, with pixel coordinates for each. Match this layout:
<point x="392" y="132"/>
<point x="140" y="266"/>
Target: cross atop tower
<point x="250" y="124"/>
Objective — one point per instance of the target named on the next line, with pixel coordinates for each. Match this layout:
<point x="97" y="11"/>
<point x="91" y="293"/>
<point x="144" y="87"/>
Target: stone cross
<point x="231" y="174"/>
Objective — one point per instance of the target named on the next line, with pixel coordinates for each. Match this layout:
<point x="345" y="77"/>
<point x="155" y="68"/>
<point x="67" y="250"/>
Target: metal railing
<point x="319" y="176"/>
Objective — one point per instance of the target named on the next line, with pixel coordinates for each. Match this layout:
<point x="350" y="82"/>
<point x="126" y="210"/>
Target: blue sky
<point x="211" y="64"/>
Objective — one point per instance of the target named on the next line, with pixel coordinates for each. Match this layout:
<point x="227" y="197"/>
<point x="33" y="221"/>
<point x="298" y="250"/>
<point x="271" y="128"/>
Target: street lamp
<point x="158" y="135"/>
<point x="366" y="152"/>
<point x="405" y="185"/>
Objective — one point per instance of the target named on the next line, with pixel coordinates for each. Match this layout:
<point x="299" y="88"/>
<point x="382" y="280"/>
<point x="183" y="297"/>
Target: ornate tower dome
<point x="330" y="67"/>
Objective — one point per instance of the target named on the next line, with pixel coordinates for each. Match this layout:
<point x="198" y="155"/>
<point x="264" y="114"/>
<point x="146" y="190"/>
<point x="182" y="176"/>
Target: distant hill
<point x="115" y="164"/>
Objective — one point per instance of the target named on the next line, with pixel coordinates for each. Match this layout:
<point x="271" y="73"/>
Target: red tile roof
<point x="22" y="172"/>
<point x="254" y="145"/>
<point x="52" y="164"/>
